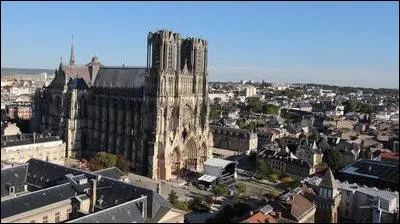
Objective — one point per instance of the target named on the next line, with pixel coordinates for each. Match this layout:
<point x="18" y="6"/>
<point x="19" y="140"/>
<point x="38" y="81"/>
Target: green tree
<point x="199" y="204"/>
<point x="172" y="197"/>
<point x="254" y="104"/>
<point x="241" y="123"/>
<point x="262" y="169"/>
<point x="277" y="172"/>
<point x="272" y="194"/>
<point x="365" y="108"/>
<point x="220" y="190"/>
<point x="106" y="159"/>
<point x="182" y="205"/>
<point x="214" y="113"/>
<point x="349" y="106"/>
<point x="333" y="159"/>
<point x="270" y="109"/>
<point x="273" y="177"/>
<point x="294" y="184"/>
<point x="240" y="188"/>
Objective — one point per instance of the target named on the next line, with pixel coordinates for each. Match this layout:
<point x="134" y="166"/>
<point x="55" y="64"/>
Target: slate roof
<point x="76" y="71"/>
<point x="45" y="174"/>
<point x="309" y="150"/>
<point x="36" y="200"/>
<point x="112" y="172"/>
<point x="13" y="176"/>
<point x="268" y="153"/>
<point x="162" y="211"/>
<point x="15" y="142"/>
<point x="123" y="213"/>
<point x="328" y="180"/>
<point x="375" y="170"/>
<point x="113" y="192"/>
<point x="234" y="131"/>
<point x="120" y="77"/>
<point x="369" y="142"/>
<point x="217" y="162"/>
<point x="373" y="192"/>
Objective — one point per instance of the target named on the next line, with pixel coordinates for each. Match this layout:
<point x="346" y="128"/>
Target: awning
<point x="207" y="178"/>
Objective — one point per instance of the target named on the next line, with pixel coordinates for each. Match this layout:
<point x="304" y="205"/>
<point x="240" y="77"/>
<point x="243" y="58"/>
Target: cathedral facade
<point x="155" y="116"/>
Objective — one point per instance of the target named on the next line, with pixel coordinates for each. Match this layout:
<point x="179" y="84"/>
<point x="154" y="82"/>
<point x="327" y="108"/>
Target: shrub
<point x="220" y="190"/>
<point x="172" y="197"/>
<point x="273" y="177"/>
<point x="182" y="205"/>
<point x="287" y="180"/>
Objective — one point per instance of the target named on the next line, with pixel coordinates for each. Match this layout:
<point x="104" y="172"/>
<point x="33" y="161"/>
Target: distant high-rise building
<point x="251" y="91"/>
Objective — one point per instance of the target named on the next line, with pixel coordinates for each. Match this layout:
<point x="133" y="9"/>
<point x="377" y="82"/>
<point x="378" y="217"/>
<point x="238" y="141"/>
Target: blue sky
<point x="343" y="43"/>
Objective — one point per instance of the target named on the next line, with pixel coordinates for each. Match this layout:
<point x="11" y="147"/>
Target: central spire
<point x="72" y="57"/>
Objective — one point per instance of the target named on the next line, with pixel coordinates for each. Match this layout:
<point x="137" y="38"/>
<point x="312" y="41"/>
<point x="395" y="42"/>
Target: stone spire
<point x="314" y="146"/>
<point x="328" y="180"/>
<point x="72" y="57"/>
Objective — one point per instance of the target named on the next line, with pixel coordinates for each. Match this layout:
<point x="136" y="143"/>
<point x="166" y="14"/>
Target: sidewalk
<point x="173" y="182"/>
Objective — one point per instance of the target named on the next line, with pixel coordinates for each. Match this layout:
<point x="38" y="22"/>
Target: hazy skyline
<point x="340" y="43"/>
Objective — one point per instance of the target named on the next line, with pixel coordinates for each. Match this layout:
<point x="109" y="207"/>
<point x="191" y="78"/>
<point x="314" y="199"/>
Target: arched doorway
<point x="191" y="150"/>
<point x="203" y="153"/>
<point x="175" y="161"/>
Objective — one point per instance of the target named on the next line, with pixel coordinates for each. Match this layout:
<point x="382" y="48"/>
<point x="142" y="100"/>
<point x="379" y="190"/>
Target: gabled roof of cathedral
<point x="328" y="180"/>
<point x="76" y="71"/>
<point x="94" y="62"/>
<point x="120" y="77"/>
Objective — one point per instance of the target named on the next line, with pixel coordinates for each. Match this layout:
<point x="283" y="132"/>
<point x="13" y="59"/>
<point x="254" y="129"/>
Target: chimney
<point x="159" y="188"/>
<point x="93" y="189"/>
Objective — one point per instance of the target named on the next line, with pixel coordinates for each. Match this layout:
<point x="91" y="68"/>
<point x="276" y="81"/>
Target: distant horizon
<point x="253" y="80"/>
<point x="334" y="43"/>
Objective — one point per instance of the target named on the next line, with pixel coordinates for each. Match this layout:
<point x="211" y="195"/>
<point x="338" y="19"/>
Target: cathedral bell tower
<point x="177" y="73"/>
<point x="327" y="200"/>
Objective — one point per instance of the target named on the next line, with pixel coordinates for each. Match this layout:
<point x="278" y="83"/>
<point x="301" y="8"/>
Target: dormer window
<point x="11" y="189"/>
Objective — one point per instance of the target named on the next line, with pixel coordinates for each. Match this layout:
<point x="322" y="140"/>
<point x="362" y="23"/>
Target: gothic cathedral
<point x="155" y="116"/>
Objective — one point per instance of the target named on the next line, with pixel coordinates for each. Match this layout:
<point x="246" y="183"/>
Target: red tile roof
<point x="259" y="217"/>
<point x="389" y="155"/>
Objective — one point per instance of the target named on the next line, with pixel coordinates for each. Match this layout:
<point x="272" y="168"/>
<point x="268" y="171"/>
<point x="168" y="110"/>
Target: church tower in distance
<point x="327" y="200"/>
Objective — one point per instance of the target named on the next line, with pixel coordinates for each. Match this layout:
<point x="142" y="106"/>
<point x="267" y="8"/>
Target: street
<point x="184" y="192"/>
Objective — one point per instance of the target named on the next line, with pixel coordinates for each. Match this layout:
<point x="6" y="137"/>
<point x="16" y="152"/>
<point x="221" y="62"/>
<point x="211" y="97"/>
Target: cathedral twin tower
<point x="156" y="116"/>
